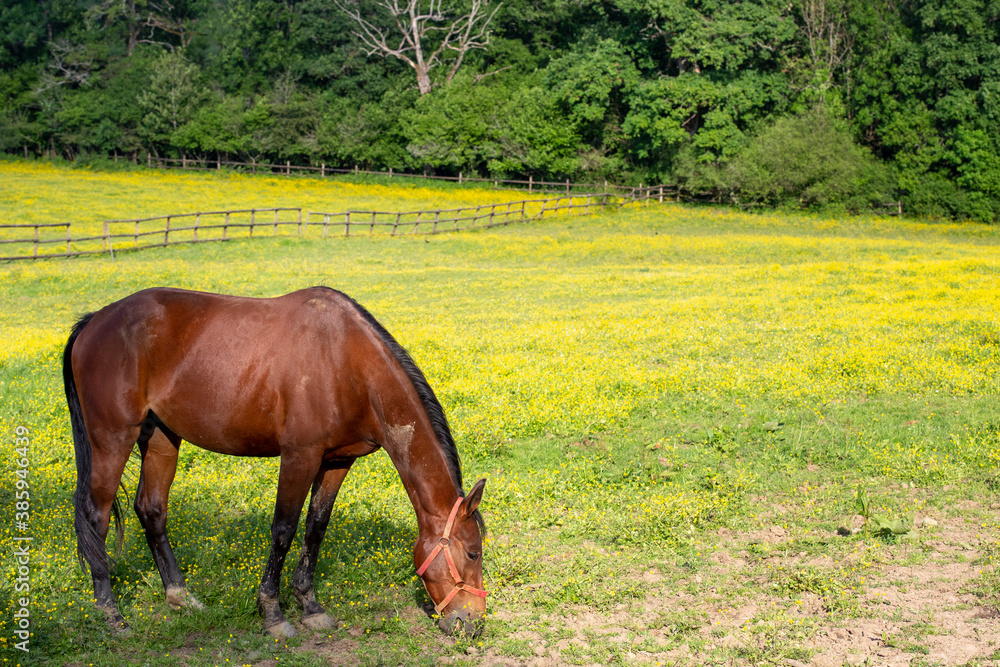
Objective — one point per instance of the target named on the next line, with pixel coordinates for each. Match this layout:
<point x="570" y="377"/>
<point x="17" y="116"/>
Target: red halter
<point x="442" y="545"/>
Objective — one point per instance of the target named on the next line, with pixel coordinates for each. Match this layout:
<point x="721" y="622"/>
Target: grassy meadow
<point x="677" y="409"/>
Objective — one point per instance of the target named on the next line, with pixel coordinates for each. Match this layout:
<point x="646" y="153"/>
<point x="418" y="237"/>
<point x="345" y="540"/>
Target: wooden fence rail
<point x="198" y="227"/>
<point x="631" y="194"/>
<point x="530" y="184"/>
<point x="456" y="219"/>
<point x="208" y="226"/>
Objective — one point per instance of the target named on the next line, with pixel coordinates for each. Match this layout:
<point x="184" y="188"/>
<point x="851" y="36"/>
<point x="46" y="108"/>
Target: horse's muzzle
<point x="461" y="621"/>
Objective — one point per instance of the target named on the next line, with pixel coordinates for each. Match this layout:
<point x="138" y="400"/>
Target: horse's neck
<point x="424" y="471"/>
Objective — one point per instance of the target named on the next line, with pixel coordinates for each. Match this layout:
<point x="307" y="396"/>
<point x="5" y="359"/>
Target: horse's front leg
<point x="297" y="471"/>
<point x="324" y="493"/>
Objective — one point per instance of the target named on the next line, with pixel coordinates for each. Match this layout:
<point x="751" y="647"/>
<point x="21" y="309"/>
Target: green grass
<point x="640" y="388"/>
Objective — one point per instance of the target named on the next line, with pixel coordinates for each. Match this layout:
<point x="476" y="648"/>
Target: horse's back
<point x="231" y="374"/>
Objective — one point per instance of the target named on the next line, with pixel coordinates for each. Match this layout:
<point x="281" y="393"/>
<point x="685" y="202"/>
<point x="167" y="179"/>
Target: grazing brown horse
<point x="311" y="377"/>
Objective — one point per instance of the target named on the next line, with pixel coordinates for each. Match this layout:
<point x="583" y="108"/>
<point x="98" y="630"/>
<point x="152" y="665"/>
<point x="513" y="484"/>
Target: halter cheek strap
<point x="442" y="545"/>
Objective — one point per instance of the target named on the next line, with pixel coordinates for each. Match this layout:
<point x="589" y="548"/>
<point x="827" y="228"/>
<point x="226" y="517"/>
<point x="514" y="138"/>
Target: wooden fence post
<point x="166" y="232"/>
<point x="326" y="226"/>
<point x="253" y="219"/>
<point x="149" y="161"/>
<point x="396" y="224"/>
<point x="322" y="169"/>
<point x="372" y="230"/>
<point x="530" y="181"/>
<point x="300" y="221"/>
<point x="225" y="226"/>
<point x="253" y="163"/>
<point x="197" y="219"/>
<point x="390" y="172"/>
<point x="35" y="251"/>
<point x="437" y="216"/>
<point x="459" y="178"/>
<point x="275" y="222"/>
<point x="288" y="168"/>
<point x="567" y="186"/>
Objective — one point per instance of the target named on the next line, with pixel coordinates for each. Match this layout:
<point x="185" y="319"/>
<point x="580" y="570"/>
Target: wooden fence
<point x="207" y="226"/>
<point x="457" y="219"/>
<point x="139" y="233"/>
<point x="198" y="227"/>
<point x="528" y="185"/>
<point x="41" y="237"/>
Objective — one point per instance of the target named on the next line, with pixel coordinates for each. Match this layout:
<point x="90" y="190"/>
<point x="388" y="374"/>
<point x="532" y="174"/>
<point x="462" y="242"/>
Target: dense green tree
<point x="738" y="99"/>
<point x="170" y="99"/>
<point x="924" y="97"/>
<point x="506" y="127"/>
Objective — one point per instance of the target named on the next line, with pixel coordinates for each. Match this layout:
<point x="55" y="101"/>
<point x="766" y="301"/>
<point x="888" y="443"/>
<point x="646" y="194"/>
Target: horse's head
<point x="451" y="565"/>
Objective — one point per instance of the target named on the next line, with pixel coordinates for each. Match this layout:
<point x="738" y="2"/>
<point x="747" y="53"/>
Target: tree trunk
<point x="423" y="80"/>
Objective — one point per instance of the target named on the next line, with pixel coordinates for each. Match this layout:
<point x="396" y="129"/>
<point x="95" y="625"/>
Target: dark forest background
<point x="794" y="103"/>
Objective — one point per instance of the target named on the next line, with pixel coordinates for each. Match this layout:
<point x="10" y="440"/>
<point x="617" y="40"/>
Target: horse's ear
<point x="471" y="501"/>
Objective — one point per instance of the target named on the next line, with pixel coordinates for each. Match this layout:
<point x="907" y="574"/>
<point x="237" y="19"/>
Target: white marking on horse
<point x="400" y="438"/>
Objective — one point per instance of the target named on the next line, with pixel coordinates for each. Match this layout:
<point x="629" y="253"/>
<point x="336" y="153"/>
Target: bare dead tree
<point x="142" y="18"/>
<point x="423" y="38"/>
<point x="71" y="64"/>
<point x="825" y="28"/>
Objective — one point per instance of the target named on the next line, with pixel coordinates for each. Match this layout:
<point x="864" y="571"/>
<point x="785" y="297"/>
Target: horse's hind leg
<point x="324" y="493"/>
<point x="110" y="452"/>
<point x="297" y="471"/>
<point x="159" y="448"/>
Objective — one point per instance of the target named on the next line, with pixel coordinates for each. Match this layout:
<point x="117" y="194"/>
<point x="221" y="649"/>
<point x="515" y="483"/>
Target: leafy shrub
<point x="807" y="161"/>
<point x="937" y="196"/>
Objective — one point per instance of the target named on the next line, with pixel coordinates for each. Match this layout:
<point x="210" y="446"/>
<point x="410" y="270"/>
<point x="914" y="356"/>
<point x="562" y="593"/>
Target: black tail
<point x="89" y="545"/>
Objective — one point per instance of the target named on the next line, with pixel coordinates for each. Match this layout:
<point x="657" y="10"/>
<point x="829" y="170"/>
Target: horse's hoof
<point x="283" y="629"/>
<point x="121" y="630"/>
<point x="178" y="598"/>
<point x="116" y="622"/>
<point x="318" y="622"/>
<point x="119" y="627"/>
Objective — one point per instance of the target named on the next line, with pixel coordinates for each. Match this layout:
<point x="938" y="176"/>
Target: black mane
<point x="432" y="407"/>
<point x="435" y="413"/>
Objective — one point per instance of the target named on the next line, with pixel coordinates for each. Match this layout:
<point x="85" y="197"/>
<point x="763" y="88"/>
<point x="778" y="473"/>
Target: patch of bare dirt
<point x="907" y="609"/>
<point x="336" y="651"/>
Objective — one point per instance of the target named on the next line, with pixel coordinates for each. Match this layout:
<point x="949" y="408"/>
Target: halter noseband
<point x="442" y="545"/>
